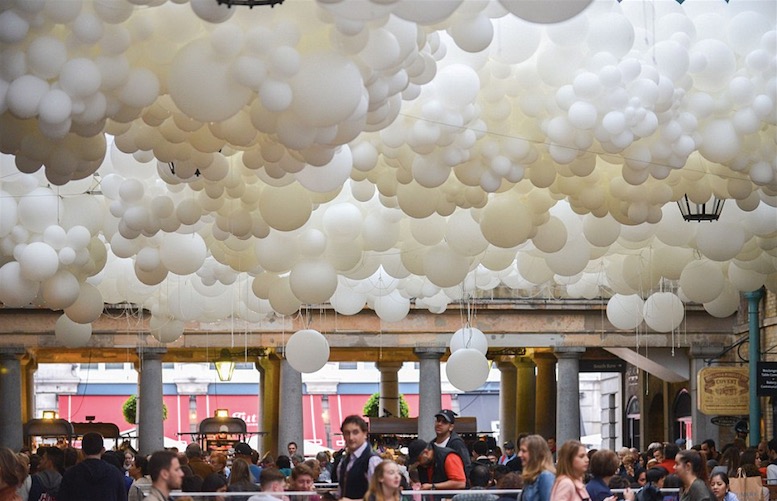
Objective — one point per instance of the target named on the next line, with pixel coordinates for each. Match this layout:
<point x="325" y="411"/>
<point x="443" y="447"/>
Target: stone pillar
<point x="702" y="423"/>
<point x="151" y="428"/>
<point x="507" y="394"/>
<point x="545" y="395"/>
<point x="28" y="390"/>
<point x="291" y="428"/>
<point x="568" y="393"/>
<point x="525" y="392"/>
<point x="11" y="431"/>
<point x="269" y="399"/>
<point x="429" y="390"/>
<point x="388" y="406"/>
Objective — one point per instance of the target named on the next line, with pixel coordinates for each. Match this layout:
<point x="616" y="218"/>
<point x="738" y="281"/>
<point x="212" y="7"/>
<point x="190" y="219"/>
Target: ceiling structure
<point x="207" y="163"/>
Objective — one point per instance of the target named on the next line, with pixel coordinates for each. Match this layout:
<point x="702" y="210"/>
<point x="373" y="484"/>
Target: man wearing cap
<point x="358" y="463"/>
<point x="439" y="468"/>
<point x="680" y="443"/>
<point x="443" y="427"/>
<point x="244" y="451"/>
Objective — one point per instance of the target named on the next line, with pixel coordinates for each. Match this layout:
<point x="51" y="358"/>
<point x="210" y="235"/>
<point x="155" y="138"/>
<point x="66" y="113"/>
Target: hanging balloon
<point x="467" y="369"/>
<point x="469" y="337"/>
<point x="72" y="334"/>
<point x="625" y="312"/>
<point x="663" y="311"/>
<point x="165" y="329"/>
<point x="307" y="350"/>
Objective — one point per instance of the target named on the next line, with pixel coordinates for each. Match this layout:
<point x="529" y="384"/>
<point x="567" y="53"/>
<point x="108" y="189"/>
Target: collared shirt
<point x="353" y="456"/>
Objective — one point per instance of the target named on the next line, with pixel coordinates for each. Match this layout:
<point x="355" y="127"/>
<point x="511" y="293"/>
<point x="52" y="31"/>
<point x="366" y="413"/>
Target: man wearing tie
<point x="359" y="461"/>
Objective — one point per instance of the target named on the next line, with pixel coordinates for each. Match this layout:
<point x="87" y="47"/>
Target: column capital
<point x="568" y="351"/>
<point x="705" y="351"/>
<point x="523" y="362"/>
<point x="12" y="352"/>
<point x="429" y="353"/>
<point x="544" y="357"/>
<point x="154" y="353"/>
<point x="506" y="366"/>
<point x="389" y="366"/>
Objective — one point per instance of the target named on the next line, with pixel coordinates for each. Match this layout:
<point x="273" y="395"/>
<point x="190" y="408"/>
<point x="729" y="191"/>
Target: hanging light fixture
<point x="225" y="365"/>
<point x="708" y="211"/>
<point x="249" y="3"/>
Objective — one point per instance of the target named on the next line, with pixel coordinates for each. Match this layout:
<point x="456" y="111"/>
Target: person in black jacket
<point x="49" y="475"/>
<point x="357" y="465"/>
<point x="438" y="467"/>
<point x="445" y="421"/>
<point x="92" y="479"/>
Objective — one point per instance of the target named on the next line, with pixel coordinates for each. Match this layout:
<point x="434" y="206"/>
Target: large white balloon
<point x="307" y="350"/>
<point x="625" y="311"/>
<point x="72" y="334"/>
<point x="663" y="311"/>
<point x="469" y="337"/>
<point x="467" y="369"/>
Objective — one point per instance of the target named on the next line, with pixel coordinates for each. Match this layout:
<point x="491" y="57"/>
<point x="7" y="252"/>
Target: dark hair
<point x="722" y="476"/>
<point x="748" y="456"/>
<point x="213" y="482"/>
<point x="357" y="420"/>
<point x="291" y="443"/>
<point x="12" y="472"/>
<point x="283" y="462"/>
<point x="270" y="475"/>
<point x="112" y="458"/>
<point x="92" y="443"/>
<point x="512" y="480"/>
<point x="191" y="483"/>
<point x="653" y="475"/>
<point x="618" y="482"/>
<point x="731" y="460"/>
<point x="71" y="457"/>
<point x="671" y="450"/>
<point x="141" y="463"/>
<point x="604" y="463"/>
<point x="56" y="456"/>
<point x="698" y="467"/>
<point x="160" y="460"/>
<point x="480" y="448"/>
<point x="672" y="481"/>
<point x="479" y="476"/>
<point x="709" y="443"/>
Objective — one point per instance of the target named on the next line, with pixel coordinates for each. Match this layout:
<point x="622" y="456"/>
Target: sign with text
<point x="724" y="390"/>
<point x="767" y="379"/>
<point x="603" y="365"/>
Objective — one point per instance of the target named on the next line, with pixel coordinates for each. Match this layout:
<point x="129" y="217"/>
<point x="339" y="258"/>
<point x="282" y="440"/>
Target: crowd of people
<point x="360" y="471"/>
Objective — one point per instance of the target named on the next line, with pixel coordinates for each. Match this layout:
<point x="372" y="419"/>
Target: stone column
<point x="291" y="428"/>
<point x="429" y="390"/>
<point x="702" y="424"/>
<point x="11" y="431"/>
<point x="28" y="390"/>
<point x="269" y="398"/>
<point x="545" y="395"/>
<point x="388" y="406"/>
<point x="568" y="393"/>
<point x="507" y="394"/>
<point x="151" y="428"/>
<point x="525" y="392"/>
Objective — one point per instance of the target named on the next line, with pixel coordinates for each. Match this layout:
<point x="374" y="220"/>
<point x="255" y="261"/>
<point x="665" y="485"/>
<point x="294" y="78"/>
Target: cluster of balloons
<point x="207" y="162"/>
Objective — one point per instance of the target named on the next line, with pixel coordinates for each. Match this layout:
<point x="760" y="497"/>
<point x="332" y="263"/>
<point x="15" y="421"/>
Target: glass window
<point x="88" y="367"/>
<point x="348" y="366"/>
<point x="114" y="367"/>
<point x="244" y="366"/>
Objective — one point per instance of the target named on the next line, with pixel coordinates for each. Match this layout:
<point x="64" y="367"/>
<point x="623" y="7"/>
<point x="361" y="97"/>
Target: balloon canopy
<point x="204" y="162"/>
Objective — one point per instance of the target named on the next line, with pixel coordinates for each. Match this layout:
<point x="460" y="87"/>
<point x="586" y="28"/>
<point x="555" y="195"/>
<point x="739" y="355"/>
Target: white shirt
<point x="444" y="443"/>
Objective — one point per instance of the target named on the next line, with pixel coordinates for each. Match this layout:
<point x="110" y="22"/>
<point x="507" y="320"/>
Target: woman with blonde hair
<point x="538" y="471"/>
<point x="570" y="470"/>
<point x="12" y="474"/>
<point x="386" y="483"/>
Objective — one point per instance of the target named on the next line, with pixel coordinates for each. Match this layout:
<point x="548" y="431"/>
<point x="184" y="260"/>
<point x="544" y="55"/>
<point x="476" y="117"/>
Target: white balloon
<point x="165" y="329"/>
<point x="469" y="337"/>
<point x="663" y="311"/>
<point x="307" y="350"/>
<point x="38" y="261"/>
<point x="625" y="311"/>
<point x="88" y="307"/>
<point x="467" y="369"/>
<point x="392" y="307"/>
<point x="72" y="334"/>
<point x="701" y="281"/>
<point x="182" y="254"/>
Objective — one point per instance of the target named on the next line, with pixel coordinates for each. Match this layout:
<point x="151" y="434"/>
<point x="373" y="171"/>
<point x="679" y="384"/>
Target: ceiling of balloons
<point x="206" y="162"/>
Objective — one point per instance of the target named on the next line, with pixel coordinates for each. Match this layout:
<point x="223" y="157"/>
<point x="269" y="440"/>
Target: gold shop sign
<point x="724" y="390"/>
